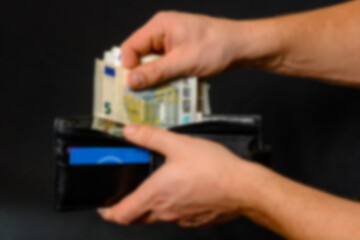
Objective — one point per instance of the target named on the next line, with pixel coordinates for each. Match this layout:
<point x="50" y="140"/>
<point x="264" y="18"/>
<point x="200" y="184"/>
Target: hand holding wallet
<point x="94" y="169"/>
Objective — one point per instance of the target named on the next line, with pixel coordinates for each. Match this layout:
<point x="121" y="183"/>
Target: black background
<point x="46" y="63"/>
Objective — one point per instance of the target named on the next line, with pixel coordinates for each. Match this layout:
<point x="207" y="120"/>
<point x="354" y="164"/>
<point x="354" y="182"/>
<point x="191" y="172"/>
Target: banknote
<point x="107" y="126"/>
<point x="174" y="103"/>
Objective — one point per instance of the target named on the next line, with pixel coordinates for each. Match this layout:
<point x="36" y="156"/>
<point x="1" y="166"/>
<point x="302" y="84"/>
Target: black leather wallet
<point x="93" y="169"/>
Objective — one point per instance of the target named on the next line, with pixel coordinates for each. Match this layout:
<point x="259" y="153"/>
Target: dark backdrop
<point x="46" y="63"/>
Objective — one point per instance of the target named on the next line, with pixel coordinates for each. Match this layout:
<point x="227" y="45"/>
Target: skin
<point x="207" y="184"/>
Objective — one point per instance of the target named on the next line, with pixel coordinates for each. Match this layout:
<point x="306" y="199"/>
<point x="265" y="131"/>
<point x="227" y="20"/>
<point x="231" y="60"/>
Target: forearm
<point x="299" y="212"/>
<point x="323" y="44"/>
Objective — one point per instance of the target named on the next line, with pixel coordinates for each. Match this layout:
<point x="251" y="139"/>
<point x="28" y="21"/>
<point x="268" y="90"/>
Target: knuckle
<point x="159" y="202"/>
<point x="126" y="47"/>
<point x="168" y="217"/>
<point x="107" y="216"/>
<point x="151" y="219"/>
<point x="121" y="220"/>
<point x="185" y="224"/>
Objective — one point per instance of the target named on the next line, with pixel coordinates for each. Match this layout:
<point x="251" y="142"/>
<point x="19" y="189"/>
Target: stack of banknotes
<point x="177" y="102"/>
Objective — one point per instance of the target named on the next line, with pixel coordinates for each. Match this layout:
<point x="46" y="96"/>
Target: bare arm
<point x="322" y="44"/>
<point x="299" y="212"/>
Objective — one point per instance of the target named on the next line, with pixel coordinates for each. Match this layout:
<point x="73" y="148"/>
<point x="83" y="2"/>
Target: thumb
<point x="165" y="68"/>
<point x="132" y="207"/>
<point x="159" y="140"/>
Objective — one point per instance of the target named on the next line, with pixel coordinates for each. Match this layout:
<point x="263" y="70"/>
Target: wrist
<point x="259" y="44"/>
<point x="252" y="186"/>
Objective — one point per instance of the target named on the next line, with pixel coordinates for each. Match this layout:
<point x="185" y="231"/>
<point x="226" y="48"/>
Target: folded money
<point x="178" y="102"/>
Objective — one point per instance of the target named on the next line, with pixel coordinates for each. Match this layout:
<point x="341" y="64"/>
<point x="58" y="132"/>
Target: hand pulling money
<point x="178" y="102"/>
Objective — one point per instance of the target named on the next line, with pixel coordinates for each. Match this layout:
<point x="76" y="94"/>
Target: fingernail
<point x="130" y="129"/>
<point x="102" y="211"/>
<point x="136" y="79"/>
